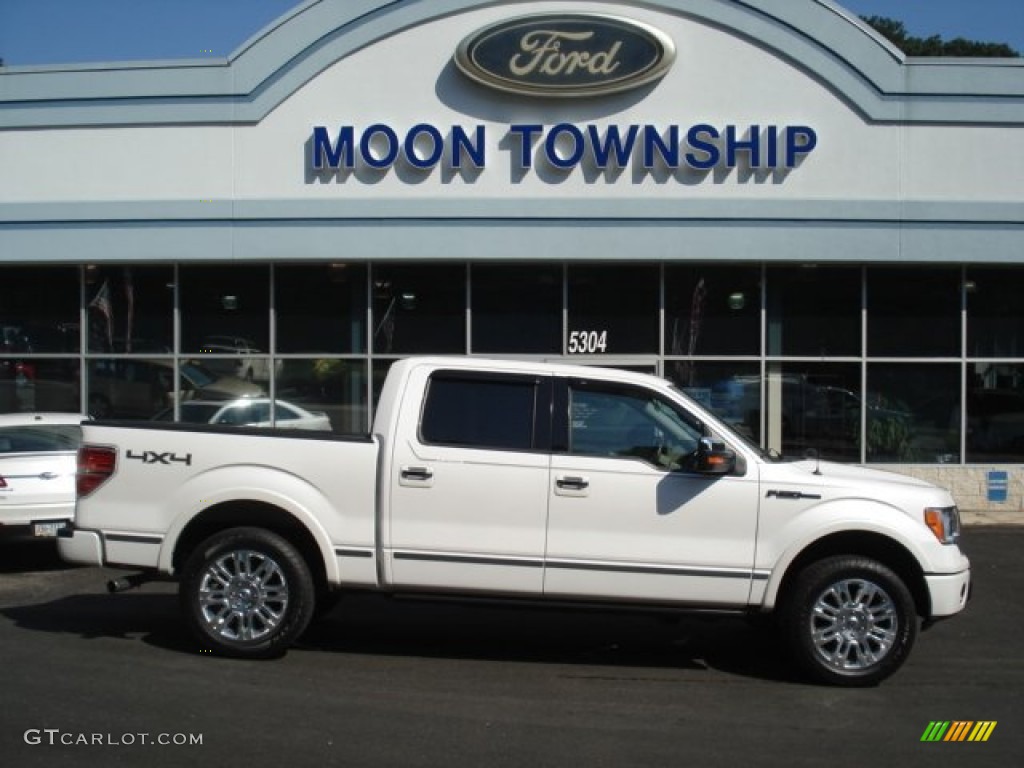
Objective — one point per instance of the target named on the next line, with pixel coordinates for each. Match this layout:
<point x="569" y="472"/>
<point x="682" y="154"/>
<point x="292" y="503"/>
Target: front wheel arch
<point x="874" y="546"/>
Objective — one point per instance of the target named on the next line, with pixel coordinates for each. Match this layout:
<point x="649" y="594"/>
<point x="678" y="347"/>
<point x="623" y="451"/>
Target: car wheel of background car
<point x="849" y="621"/>
<point x="247" y="593"/>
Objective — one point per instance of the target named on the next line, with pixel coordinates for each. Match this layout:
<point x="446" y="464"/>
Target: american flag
<point x="129" y="295"/>
<point x="102" y="304"/>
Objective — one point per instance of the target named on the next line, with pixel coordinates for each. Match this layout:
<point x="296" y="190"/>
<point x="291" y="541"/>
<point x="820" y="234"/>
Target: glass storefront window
<point x="613" y="310"/>
<point x="732" y="391"/>
<point x="129" y="388"/>
<point x="130" y="309"/>
<point x="913" y="413"/>
<point x="320" y="308"/>
<point x="814" y="406"/>
<point x="101" y="339"/>
<point x="419" y="309"/>
<point x="995" y="413"/>
<point x="141" y="388"/>
<point x="39" y="384"/>
<point x="516" y="309"/>
<point x="814" y="311"/>
<point x="913" y="312"/>
<point x="713" y="310"/>
<point x="379" y="372"/>
<point x="39" y="315"/>
<point x="39" y="310"/>
<point x="995" y="323"/>
<point x="225" y="310"/>
<point x="331" y="386"/>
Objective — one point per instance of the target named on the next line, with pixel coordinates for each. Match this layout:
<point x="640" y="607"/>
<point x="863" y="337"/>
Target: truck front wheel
<point x="247" y="593"/>
<point x="850" y="621"/>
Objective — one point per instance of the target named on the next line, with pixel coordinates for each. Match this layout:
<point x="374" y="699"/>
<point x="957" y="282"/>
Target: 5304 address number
<point x="588" y="342"/>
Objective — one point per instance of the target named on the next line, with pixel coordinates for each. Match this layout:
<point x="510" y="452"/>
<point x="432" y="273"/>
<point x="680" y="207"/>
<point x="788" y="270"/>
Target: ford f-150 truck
<point x="506" y="479"/>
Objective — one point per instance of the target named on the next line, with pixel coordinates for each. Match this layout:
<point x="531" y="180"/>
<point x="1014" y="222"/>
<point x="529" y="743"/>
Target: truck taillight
<point x="96" y="463"/>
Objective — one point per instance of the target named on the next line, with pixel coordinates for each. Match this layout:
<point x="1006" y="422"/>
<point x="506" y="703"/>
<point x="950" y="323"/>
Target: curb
<point x="988" y="517"/>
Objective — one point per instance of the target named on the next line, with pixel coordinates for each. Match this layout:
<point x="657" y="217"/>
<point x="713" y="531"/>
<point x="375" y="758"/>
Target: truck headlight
<point x="944" y="522"/>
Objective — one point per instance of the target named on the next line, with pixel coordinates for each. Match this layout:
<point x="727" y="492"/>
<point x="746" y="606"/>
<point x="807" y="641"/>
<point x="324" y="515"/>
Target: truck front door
<point x="630" y="517"/>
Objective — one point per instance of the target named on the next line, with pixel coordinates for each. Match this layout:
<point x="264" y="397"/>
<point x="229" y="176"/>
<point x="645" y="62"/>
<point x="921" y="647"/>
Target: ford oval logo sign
<point x="566" y="55"/>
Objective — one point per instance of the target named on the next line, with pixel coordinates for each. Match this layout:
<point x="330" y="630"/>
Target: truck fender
<point x="780" y="549"/>
<point x="278" y="489"/>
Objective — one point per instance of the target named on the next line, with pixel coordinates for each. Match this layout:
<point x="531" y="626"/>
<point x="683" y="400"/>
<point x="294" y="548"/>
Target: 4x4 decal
<point x="152" y="457"/>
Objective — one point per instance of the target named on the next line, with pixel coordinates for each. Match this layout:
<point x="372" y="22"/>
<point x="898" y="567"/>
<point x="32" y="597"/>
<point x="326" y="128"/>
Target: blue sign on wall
<point x="998" y="485"/>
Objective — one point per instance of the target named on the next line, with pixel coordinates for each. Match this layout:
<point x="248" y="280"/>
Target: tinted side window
<point x="480" y="412"/>
<point x="624" y="422"/>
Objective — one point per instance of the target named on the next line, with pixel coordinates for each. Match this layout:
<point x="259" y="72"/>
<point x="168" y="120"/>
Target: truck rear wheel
<point x="247" y="593"/>
<point x="849" y="621"/>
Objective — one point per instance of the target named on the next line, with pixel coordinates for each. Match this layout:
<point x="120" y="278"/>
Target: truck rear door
<point x="468" y="483"/>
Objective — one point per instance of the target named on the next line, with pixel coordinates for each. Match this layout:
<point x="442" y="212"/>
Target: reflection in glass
<point x="995" y="322"/>
<point x="236" y="357"/>
<point x="613" y="309"/>
<point x="39" y="384"/>
<point x="225" y="309"/>
<point x="814" y="311"/>
<point x="419" y="309"/>
<point x="321" y="308"/>
<point x="130" y="309"/>
<point x="249" y="412"/>
<point x="913" y="412"/>
<point x="995" y="413"/>
<point x="732" y="391"/>
<point x="141" y="388"/>
<point x="713" y="310"/>
<point x="517" y="309"/>
<point x="815" y="406"/>
<point x="379" y="373"/>
<point x="129" y="388"/>
<point x="913" y="312"/>
<point x="334" y="387"/>
<point x="39" y="310"/>
<point x="630" y="423"/>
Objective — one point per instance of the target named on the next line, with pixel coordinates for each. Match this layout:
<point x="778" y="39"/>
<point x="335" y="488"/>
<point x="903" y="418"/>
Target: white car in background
<point x="249" y="412"/>
<point x="37" y="472"/>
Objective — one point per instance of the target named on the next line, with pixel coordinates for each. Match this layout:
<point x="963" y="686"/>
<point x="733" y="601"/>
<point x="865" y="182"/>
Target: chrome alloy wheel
<point x="854" y="624"/>
<point x="243" y="595"/>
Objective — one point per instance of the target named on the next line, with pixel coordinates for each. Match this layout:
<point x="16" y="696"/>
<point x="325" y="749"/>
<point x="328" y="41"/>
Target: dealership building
<point x="763" y="201"/>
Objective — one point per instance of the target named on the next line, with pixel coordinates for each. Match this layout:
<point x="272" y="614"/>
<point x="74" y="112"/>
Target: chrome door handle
<point x="573" y="483"/>
<point x="416" y="473"/>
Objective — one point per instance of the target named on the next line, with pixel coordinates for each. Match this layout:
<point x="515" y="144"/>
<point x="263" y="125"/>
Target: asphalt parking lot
<point x="90" y="678"/>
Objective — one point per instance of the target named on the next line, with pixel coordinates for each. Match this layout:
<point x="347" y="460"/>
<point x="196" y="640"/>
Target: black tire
<point x="849" y="621"/>
<point x="247" y="593"/>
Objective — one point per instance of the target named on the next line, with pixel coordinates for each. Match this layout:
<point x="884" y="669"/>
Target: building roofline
<point x="818" y="36"/>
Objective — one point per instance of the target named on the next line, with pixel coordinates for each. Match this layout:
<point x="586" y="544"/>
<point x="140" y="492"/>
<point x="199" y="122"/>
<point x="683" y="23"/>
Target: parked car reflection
<point x="248" y="363"/>
<point x="141" y="388"/>
<point x="250" y="412"/>
<point x="37" y="472"/>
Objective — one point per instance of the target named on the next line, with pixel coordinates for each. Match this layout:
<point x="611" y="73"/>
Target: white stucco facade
<point x="863" y="158"/>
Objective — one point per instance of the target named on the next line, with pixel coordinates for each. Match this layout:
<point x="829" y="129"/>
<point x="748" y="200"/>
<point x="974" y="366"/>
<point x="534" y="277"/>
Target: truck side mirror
<point x="713" y="458"/>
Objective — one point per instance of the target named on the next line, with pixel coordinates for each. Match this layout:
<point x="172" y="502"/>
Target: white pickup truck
<point x="505" y="479"/>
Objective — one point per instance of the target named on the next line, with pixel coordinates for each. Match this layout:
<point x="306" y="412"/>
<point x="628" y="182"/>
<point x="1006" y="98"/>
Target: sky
<point x="43" y="32"/>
